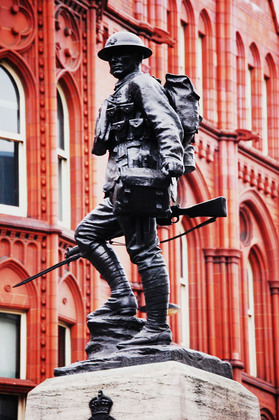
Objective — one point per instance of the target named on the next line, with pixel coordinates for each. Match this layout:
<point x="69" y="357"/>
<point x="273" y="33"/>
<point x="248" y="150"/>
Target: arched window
<point x="182" y="45"/>
<point x="184" y="293"/>
<point x="172" y="30"/>
<point x="200" y="69"/>
<point x="12" y="360"/>
<point x="270" y="109"/>
<point x="262" y="316"/>
<point x="254" y="92"/>
<point x="64" y="205"/>
<point x="12" y="144"/>
<point x="206" y="69"/>
<point x="240" y="79"/>
<point x="187" y="41"/>
<point x="251" y="322"/>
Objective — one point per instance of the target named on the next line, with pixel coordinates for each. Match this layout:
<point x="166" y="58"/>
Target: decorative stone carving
<point x="68" y="44"/>
<point x="16" y="24"/>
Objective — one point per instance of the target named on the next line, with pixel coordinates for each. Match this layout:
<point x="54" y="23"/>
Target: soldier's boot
<point x="156" y="291"/>
<point x="122" y="300"/>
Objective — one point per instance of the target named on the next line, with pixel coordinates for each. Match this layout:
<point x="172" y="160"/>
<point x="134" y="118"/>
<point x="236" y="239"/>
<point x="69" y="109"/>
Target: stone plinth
<point x="159" y="391"/>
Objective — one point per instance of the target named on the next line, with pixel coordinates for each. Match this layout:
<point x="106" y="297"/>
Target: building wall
<point x="228" y="288"/>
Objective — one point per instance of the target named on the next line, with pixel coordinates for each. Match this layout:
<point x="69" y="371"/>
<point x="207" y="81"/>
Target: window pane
<point x="64" y="345"/>
<point x="60" y="189"/>
<point x="9" y="103"/>
<point x="60" y="123"/>
<point x="8" y="407"/>
<point x="9" y="193"/>
<point x="61" y="346"/>
<point x="9" y="349"/>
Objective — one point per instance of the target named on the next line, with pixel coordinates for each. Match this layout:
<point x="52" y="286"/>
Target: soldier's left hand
<point x="173" y="169"/>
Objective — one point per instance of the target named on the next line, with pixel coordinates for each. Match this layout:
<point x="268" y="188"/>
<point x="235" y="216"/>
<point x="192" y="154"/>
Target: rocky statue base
<point x="158" y="391"/>
<point x="108" y="331"/>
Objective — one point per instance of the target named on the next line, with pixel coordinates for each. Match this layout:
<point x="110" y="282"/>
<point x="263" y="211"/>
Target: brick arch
<point x="71" y="310"/>
<point x="260" y="249"/>
<point x="239" y="45"/>
<point x="189" y="10"/>
<point x="266" y="414"/>
<point x="263" y="313"/>
<point x="204" y="23"/>
<point x="22" y="70"/>
<point x="69" y="287"/>
<point x="198" y="185"/>
<point x="254" y="55"/>
<point x="270" y="66"/>
<point x="262" y="217"/>
<point x="23" y="297"/>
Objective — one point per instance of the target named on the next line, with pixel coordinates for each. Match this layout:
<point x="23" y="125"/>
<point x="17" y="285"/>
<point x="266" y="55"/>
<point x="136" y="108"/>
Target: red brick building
<point x="225" y="277"/>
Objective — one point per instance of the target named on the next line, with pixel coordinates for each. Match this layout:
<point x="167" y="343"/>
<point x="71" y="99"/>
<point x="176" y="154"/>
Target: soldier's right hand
<point x="173" y="169"/>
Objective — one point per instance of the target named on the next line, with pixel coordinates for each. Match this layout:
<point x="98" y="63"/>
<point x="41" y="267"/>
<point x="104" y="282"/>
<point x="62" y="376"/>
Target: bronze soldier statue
<point x="141" y="132"/>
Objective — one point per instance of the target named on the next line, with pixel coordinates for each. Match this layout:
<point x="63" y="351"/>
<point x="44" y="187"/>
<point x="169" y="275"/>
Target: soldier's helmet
<point x="124" y="40"/>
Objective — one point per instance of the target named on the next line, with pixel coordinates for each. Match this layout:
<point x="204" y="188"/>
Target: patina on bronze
<point x="145" y="140"/>
<point x="140" y="130"/>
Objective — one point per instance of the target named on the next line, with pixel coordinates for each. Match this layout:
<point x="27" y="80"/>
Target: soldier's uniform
<point x="139" y="128"/>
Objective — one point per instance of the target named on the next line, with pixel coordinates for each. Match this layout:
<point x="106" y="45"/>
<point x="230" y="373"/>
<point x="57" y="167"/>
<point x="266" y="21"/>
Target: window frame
<point x="184" y="292"/>
<point x="20" y="138"/>
<point x="251" y="321"/>
<point x="22" y="340"/>
<point x="63" y="157"/>
<point x="200" y="70"/>
<point x="67" y="343"/>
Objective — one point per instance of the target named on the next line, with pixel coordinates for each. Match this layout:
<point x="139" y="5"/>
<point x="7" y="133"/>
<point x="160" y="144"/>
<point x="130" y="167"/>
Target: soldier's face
<point x="122" y="64"/>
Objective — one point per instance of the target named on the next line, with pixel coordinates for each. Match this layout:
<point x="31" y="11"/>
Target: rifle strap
<point x="207" y="222"/>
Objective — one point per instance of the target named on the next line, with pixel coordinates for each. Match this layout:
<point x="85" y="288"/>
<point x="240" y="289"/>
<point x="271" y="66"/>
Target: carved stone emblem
<point x="68" y="45"/>
<point x="100" y="407"/>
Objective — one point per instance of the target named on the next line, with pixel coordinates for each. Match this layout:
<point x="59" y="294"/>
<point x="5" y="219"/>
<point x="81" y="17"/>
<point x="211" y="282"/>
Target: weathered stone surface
<point x="160" y="391"/>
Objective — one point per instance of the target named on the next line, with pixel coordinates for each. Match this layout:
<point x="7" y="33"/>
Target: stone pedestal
<point x="159" y="391"/>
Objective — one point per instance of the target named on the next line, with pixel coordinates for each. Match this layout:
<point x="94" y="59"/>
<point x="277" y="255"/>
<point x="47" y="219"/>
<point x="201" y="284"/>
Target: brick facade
<point x="230" y="51"/>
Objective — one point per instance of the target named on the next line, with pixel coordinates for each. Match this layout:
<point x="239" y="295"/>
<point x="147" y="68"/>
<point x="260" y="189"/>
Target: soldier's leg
<point x="91" y="235"/>
<point x="142" y="246"/>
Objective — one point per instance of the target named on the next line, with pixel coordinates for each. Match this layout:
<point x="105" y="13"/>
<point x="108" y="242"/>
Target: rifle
<point x="212" y="208"/>
<point x="217" y="207"/>
<point x="72" y="254"/>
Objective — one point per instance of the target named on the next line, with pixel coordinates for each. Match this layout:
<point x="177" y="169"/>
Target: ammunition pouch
<point x="142" y="192"/>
